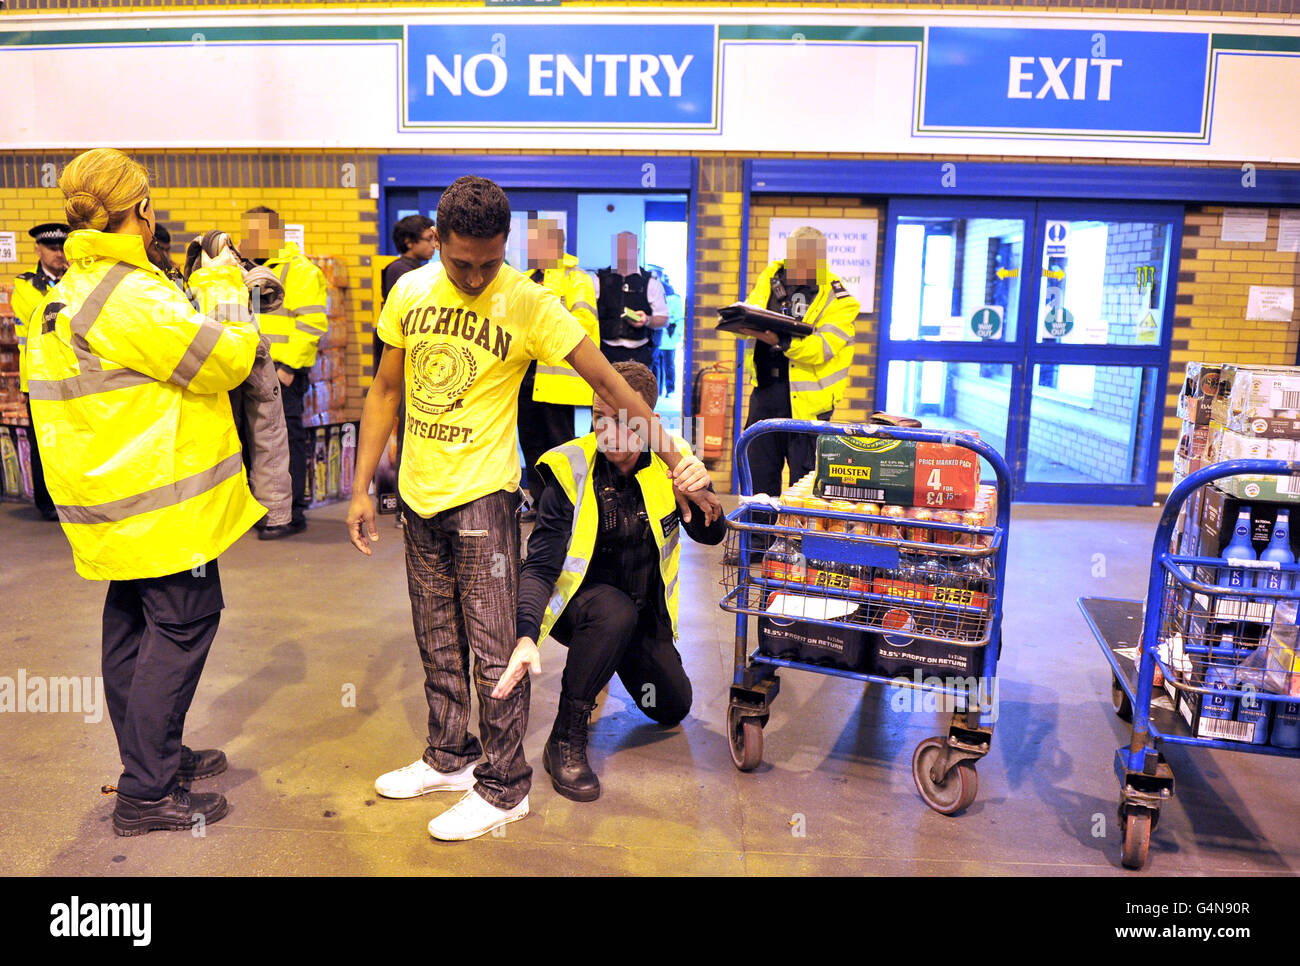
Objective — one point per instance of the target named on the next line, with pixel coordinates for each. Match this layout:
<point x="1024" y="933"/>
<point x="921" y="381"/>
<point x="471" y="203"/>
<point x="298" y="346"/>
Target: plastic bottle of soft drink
<point x="1238" y="548"/>
<point x="1278" y="550"/>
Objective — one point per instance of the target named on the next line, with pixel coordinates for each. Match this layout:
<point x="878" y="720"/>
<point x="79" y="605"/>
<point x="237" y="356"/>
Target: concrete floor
<point x="308" y="617"/>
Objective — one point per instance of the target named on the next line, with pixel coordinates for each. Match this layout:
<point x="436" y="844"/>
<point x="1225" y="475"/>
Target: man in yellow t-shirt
<point x="459" y="337"/>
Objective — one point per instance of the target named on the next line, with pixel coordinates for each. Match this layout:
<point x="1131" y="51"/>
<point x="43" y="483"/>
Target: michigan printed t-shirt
<point x="465" y="359"/>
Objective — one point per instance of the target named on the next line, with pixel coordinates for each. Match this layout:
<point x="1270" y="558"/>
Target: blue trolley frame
<point x="1146" y="780"/>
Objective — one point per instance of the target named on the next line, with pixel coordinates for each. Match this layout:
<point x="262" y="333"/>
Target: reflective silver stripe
<point x="310" y="310"/>
<point x="845" y="334"/>
<point x="670" y="544"/>
<point x="158" y="498"/>
<point x="197" y="353"/>
<point x="309" y="329"/>
<point x="672" y="586"/>
<point x="22" y="340"/>
<point x="574" y="565"/>
<point x="274" y="337"/>
<point x="827" y="351"/>
<point x="284" y="273"/>
<point x="826" y="382"/>
<point x="81" y="323"/>
<point x="557" y="371"/>
<point x="582" y="305"/>
<point x="86" y="384"/>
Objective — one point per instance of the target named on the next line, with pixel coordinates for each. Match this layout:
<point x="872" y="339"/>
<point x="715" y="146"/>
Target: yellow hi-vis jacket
<point x="129" y="392"/>
<point x="819" y="363"/>
<point x="294" y="330"/>
<point x="571" y="466"/>
<point x="577" y="293"/>
<point x="28" y="293"/>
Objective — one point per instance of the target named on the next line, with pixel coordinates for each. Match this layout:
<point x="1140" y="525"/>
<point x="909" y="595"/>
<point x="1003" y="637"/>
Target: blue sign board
<point x="631" y="76"/>
<point x="1112" y="83"/>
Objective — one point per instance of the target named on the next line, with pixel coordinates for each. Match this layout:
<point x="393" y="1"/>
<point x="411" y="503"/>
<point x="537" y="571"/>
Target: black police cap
<point x="51" y="233"/>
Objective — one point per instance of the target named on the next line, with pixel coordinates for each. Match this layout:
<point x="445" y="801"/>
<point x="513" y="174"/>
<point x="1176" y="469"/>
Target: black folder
<point x="742" y="319"/>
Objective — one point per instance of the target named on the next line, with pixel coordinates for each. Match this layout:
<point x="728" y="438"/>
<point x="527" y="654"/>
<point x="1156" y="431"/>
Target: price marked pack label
<point x="902" y="472"/>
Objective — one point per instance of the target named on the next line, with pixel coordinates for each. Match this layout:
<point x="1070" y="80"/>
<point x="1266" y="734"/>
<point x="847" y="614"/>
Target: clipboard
<point x="742" y="319"/>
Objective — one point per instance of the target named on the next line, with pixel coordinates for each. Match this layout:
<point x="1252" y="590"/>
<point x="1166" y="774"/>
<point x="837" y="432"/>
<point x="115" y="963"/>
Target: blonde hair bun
<point x="100" y="187"/>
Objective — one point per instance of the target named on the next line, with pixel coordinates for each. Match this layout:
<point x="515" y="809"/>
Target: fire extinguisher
<point x="712" y="388"/>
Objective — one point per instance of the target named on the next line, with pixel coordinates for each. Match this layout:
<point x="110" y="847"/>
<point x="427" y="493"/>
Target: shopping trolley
<point x="897" y="583"/>
<point x="1203" y="663"/>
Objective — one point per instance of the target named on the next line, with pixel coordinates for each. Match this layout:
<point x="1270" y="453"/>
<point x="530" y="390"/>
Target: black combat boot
<point x="565" y="757"/>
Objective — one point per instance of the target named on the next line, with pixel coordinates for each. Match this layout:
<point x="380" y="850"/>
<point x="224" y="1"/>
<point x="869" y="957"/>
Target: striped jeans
<point x="462" y="571"/>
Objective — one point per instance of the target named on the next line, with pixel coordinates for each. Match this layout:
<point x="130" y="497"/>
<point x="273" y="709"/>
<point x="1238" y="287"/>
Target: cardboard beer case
<point x="902" y="472"/>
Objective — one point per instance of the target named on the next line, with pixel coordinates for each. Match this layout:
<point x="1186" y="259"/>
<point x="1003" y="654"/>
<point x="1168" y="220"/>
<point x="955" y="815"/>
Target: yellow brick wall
<point x="1214" y="280"/>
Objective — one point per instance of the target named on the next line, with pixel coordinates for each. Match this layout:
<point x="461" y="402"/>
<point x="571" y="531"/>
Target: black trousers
<point x="292" y="397"/>
<point x="157" y="632"/>
<point x="770" y="453"/>
<point x="606" y="634"/>
<point x="643" y="354"/>
<point x="42" y="496"/>
<point x="542" y="426"/>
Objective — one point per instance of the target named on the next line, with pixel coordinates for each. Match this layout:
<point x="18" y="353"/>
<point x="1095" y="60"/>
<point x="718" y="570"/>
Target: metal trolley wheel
<point x="1135" y="836"/>
<point x="745" y="735"/>
<point x="946" y="794"/>
<point x="1119" y="700"/>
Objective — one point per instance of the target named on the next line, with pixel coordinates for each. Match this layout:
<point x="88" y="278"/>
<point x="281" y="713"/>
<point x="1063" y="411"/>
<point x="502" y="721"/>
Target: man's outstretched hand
<point x="525" y="658"/>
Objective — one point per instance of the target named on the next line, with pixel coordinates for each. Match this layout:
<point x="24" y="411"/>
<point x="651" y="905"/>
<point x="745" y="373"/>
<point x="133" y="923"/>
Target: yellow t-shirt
<point x="465" y="359"/>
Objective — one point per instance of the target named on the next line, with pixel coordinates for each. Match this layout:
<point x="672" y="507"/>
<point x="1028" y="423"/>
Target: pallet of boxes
<point x="331" y="435"/>
<point x="890" y="543"/>
<point x="1237" y="531"/>
<point x="16" y="439"/>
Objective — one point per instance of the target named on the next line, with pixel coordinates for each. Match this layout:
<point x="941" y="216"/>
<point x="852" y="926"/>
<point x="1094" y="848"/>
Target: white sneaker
<point x="472" y="816"/>
<point x="418" y="779"/>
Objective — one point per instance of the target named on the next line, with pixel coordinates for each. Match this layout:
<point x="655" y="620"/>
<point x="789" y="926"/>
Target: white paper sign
<point x="850" y="249"/>
<point x="8" y="247"/>
<point x="1270" y="303"/>
<point x="294" y="233"/>
<point x="1245" y="224"/>
<point x="1288" y="231"/>
<point x="1094" y="331"/>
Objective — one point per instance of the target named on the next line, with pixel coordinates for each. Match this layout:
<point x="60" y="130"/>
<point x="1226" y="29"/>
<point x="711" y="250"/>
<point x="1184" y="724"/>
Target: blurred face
<point x="52" y="258"/>
<point x="471" y="264"/>
<point x="627" y="258"/>
<point x="263" y="236"/>
<point x="545" y="244"/>
<point x="613" y="438"/>
<point x="803" y="258"/>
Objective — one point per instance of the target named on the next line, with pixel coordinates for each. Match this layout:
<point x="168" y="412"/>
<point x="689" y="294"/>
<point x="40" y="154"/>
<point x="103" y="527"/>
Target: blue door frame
<point x="1025" y="352"/>
<point x="547" y="173"/>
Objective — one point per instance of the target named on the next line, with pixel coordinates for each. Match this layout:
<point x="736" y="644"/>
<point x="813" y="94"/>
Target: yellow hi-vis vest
<point x="819" y="363"/>
<point x="295" y="329"/>
<point x="27" y="295"/>
<point x="577" y="293"/>
<point x="129" y="391"/>
<point x="571" y="466"/>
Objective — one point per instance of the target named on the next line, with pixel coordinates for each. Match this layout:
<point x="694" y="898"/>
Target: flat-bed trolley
<point x="1210" y="661"/>
<point x="903" y="595"/>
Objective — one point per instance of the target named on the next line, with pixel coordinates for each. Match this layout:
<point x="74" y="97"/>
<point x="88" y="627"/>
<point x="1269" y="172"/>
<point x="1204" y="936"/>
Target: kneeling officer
<point x="601" y="578"/>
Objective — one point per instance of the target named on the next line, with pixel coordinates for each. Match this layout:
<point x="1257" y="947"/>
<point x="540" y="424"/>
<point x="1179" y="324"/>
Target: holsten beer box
<point x="897" y="471"/>
<point x="783" y="634"/>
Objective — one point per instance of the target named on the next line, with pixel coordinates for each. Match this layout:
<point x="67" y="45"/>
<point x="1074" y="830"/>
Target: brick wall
<point x="1214" y="279"/>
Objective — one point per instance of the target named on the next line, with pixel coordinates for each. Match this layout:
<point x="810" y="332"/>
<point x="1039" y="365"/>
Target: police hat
<point x="52" y="234"/>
